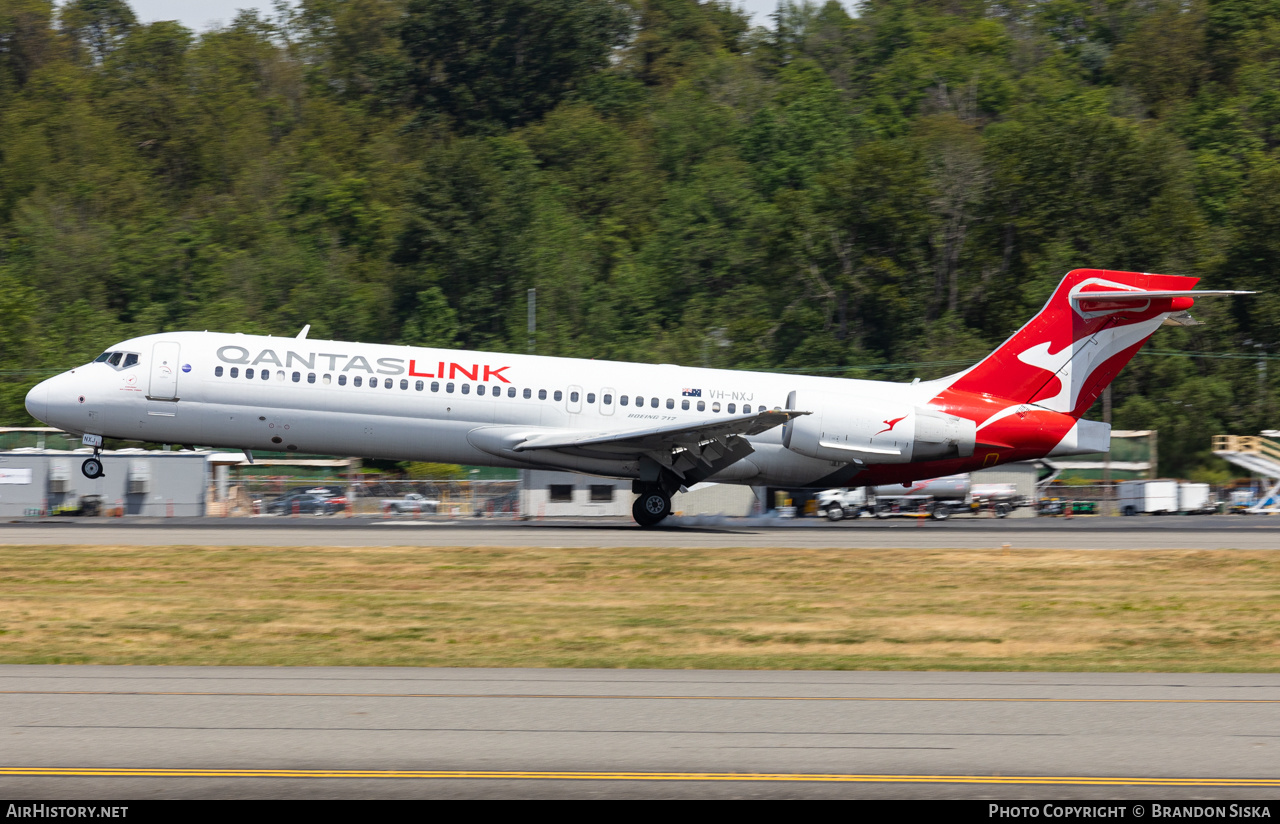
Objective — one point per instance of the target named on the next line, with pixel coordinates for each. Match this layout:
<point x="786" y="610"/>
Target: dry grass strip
<point x="641" y="607"/>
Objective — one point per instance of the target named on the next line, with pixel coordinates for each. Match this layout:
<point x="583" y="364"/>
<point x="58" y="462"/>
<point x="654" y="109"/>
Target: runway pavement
<point x="1193" y="532"/>
<point x="160" y="732"/>
<point x="194" y="732"/>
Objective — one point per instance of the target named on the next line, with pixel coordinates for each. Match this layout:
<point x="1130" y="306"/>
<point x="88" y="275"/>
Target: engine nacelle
<point x="875" y="431"/>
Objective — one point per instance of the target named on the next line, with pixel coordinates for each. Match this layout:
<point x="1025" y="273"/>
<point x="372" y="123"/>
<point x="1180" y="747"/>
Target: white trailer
<point x="1193" y="499"/>
<point x="1154" y="497"/>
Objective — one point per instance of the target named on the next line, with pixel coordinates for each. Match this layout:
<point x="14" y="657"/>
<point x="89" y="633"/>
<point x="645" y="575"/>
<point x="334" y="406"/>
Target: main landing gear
<point x="651" y="506"/>
<point x="653" y="490"/>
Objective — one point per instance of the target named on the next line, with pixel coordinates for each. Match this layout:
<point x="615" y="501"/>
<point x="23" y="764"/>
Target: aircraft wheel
<point x="835" y="513"/>
<point x="92" y="468"/>
<point x="650" y="508"/>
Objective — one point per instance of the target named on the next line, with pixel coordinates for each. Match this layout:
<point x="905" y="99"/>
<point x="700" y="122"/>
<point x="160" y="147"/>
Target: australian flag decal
<point x="691" y="393"/>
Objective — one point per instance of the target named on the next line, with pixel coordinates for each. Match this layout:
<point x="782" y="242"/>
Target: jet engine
<point x="875" y="431"/>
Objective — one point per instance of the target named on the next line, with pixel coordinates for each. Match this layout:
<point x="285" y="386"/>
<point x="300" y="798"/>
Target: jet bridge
<point x="1259" y="455"/>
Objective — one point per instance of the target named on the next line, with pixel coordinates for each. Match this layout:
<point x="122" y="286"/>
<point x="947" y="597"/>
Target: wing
<point x="662" y="437"/>
<point x="691" y="452"/>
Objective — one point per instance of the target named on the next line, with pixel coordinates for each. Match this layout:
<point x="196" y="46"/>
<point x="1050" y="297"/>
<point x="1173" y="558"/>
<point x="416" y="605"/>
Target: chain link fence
<point x="371" y="498"/>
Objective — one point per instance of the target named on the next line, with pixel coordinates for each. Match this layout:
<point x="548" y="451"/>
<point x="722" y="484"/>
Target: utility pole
<point x="533" y="321"/>
<point x="1106" y="459"/>
<point x="1263" y="404"/>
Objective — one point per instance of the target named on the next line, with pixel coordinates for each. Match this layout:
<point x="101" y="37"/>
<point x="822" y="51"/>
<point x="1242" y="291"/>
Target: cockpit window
<point x="118" y="360"/>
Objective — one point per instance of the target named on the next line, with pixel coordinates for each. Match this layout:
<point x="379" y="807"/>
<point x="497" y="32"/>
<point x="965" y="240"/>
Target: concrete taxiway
<point x="1194" y="532"/>
<point x="132" y="732"/>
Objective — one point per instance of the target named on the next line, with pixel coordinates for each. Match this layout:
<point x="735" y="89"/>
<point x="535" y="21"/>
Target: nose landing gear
<point x="92" y="467"/>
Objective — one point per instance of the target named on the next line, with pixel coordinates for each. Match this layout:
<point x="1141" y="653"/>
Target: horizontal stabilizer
<point x="1140" y="295"/>
<point x="662" y="437"/>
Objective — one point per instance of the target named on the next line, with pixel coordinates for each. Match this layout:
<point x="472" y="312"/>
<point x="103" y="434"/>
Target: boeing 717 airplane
<point x="663" y="427"/>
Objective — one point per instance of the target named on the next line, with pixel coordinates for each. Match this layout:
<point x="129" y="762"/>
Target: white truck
<point x="1153" y="497"/>
<point x="838" y="504"/>
<point x="939" y="498"/>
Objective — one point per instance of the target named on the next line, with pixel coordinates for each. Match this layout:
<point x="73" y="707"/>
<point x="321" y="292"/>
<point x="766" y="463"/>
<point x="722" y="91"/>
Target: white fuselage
<point x="422" y="404"/>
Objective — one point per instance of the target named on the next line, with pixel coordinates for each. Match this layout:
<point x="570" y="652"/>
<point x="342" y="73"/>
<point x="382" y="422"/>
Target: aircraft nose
<point x="38" y="401"/>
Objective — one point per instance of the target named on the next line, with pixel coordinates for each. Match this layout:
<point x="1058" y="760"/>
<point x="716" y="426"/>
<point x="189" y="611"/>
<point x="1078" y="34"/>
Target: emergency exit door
<point x="164" y="372"/>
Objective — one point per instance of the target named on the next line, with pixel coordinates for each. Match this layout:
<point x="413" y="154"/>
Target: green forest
<point x="884" y="190"/>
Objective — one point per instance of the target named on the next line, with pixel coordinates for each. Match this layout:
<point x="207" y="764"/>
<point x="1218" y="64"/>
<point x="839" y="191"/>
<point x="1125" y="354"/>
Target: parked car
<point x="413" y="502"/>
<point x="336" y="495"/>
<point x="304" y="503"/>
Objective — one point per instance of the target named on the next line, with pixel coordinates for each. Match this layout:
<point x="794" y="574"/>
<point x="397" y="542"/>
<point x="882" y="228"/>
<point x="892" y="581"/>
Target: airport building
<point x="36" y="481"/>
<point x="570" y="495"/>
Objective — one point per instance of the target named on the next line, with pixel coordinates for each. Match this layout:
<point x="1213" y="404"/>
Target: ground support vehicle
<point x="998" y="499"/>
<point x="842" y="504"/>
<point x="1154" y="497"/>
<point x="1067" y="507"/>
<point x="1242" y="500"/>
<point x="936" y="498"/>
<point x="85" y="505"/>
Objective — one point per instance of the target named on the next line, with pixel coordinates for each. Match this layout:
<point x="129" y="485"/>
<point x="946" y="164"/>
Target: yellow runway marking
<point x="1109" y="781"/>
<point x="605" y="696"/>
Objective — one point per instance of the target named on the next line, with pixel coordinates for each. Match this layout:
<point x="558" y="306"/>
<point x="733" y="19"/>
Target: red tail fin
<point x="1068" y="353"/>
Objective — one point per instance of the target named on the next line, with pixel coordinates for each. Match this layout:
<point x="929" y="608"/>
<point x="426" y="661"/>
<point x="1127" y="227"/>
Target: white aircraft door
<point x="164" y="372"/>
<point x="573" y="401"/>
<point x="606" y="400"/>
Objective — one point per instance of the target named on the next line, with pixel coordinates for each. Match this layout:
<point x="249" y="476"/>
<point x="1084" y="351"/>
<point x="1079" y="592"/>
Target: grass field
<point x="634" y="607"/>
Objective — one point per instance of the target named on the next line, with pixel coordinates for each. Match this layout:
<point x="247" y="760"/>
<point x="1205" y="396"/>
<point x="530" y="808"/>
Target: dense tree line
<point x="883" y="191"/>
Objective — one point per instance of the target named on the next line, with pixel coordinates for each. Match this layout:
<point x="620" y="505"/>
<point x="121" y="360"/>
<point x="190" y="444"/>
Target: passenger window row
<point x="480" y="389"/>
<point x="684" y="404"/>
